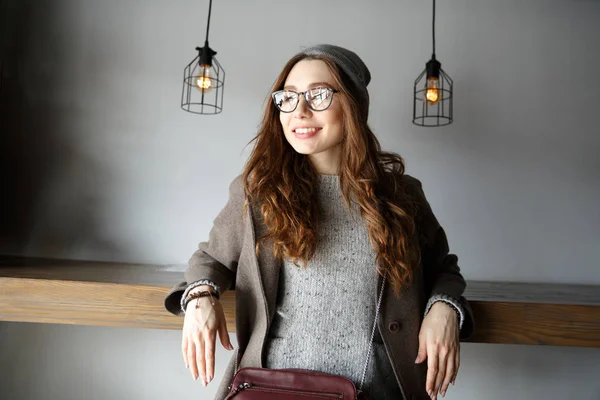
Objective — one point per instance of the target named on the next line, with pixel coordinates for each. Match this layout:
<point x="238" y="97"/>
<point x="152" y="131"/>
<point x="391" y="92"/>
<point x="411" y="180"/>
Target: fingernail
<point x="209" y="378"/>
<point x="443" y="393"/>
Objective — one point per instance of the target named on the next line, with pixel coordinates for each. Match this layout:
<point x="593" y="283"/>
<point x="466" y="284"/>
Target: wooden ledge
<point x="132" y="295"/>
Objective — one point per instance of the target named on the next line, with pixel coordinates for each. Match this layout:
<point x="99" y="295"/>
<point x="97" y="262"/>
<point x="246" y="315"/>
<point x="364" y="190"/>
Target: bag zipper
<point x="248" y="385"/>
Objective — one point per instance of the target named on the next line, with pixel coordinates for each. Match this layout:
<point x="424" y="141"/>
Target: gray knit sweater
<point x="325" y="313"/>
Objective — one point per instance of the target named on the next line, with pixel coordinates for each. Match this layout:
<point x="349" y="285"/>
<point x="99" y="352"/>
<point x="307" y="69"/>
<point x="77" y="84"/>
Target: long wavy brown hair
<point x="281" y="182"/>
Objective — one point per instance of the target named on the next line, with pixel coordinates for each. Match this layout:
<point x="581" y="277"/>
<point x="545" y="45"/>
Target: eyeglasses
<point x="318" y="99"/>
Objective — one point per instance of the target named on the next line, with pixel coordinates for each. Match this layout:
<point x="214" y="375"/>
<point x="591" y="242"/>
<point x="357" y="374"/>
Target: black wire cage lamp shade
<point x="433" y="92"/>
<point x="203" y="80"/>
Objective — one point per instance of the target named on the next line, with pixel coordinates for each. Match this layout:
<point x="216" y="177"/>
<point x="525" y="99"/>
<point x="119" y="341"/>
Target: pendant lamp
<point x="203" y="80"/>
<point x="432" y="101"/>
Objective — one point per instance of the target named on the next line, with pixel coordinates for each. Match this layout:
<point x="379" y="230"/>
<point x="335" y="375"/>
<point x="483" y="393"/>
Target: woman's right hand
<point x="200" y="328"/>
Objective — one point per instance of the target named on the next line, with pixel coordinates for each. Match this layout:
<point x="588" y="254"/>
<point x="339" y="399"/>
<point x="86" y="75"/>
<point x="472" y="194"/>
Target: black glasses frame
<point x="303" y="94"/>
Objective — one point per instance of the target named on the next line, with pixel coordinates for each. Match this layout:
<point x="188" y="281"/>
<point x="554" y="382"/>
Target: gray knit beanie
<point x="348" y="61"/>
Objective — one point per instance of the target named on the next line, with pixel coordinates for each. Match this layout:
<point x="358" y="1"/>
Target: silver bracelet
<point x="194" y="285"/>
<point x="451" y="302"/>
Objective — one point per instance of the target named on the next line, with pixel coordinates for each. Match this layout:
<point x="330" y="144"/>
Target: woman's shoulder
<point x="236" y="191"/>
<point x="238" y="182"/>
<point x="408" y="183"/>
<point x="236" y="186"/>
<point x="239" y="192"/>
<point x="410" y="180"/>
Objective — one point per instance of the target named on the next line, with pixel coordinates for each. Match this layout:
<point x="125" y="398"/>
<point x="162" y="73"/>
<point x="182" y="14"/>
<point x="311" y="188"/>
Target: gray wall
<point x="98" y="161"/>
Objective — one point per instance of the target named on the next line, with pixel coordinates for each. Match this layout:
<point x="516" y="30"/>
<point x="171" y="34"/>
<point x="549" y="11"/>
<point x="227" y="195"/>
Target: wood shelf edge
<point x="141" y="306"/>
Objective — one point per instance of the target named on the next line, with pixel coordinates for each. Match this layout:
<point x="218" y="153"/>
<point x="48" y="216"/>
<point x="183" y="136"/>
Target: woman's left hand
<point x="439" y="343"/>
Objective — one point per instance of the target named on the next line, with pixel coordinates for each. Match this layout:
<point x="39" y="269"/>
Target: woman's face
<point x="323" y="147"/>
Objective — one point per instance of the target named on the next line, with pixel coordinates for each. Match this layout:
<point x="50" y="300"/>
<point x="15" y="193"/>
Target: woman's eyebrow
<point x="314" y="84"/>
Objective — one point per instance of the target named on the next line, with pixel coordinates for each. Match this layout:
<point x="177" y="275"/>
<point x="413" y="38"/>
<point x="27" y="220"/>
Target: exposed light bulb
<point x="433" y="89"/>
<point x="204" y="82"/>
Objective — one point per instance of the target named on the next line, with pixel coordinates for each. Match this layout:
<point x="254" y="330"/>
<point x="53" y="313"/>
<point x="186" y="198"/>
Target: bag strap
<point x="362" y="380"/>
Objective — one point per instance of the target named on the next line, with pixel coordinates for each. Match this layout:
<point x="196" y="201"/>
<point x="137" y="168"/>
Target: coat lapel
<point x="268" y="266"/>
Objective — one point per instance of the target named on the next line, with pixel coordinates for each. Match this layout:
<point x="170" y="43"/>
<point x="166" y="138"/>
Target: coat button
<point x="394" y="326"/>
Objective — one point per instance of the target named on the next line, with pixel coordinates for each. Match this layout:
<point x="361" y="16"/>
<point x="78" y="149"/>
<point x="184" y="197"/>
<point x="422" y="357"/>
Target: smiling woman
<point x="312" y="122"/>
<point x="320" y="223"/>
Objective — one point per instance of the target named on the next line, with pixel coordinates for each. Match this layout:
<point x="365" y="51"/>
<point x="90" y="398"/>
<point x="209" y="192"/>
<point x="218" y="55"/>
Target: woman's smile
<point x="305" y="133"/>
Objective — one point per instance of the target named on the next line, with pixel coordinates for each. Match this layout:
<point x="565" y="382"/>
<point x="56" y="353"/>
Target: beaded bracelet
<point x="193" y="286"/>
<point x="197" y="296"/>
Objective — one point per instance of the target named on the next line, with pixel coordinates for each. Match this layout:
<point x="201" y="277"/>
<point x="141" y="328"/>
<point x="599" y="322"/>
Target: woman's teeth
<point x="306" y="130"/>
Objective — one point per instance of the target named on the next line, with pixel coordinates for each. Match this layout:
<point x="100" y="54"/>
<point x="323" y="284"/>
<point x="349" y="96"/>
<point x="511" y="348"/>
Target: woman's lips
<point x="307" y="135"/>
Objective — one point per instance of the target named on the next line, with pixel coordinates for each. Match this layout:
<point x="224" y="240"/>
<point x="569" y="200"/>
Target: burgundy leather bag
<point x="290" y="384"/>
<point x="297" y="384"/>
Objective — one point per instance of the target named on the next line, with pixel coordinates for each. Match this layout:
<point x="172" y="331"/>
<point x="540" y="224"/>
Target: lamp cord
<point x="433" y="28"/>
<point x="208" y="23"/>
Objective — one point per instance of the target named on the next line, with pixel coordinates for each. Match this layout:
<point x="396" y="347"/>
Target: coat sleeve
<point x="441" y="272"/>
<point x="216" y="259"/>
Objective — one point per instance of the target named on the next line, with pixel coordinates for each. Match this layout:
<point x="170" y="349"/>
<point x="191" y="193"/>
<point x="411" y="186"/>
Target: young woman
<point x="317" y="222"/>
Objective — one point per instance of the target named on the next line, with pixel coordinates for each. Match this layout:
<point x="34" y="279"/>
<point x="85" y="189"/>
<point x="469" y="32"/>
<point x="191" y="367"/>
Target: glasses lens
<point x="319" y="98"/>
<point x="285" y="100"/>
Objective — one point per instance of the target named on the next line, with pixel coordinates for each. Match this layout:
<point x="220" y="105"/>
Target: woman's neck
<point x="327" y="162"/>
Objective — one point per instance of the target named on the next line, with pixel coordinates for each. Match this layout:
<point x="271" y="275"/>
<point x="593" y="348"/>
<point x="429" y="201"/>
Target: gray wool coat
<point x="228" y="258"/>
